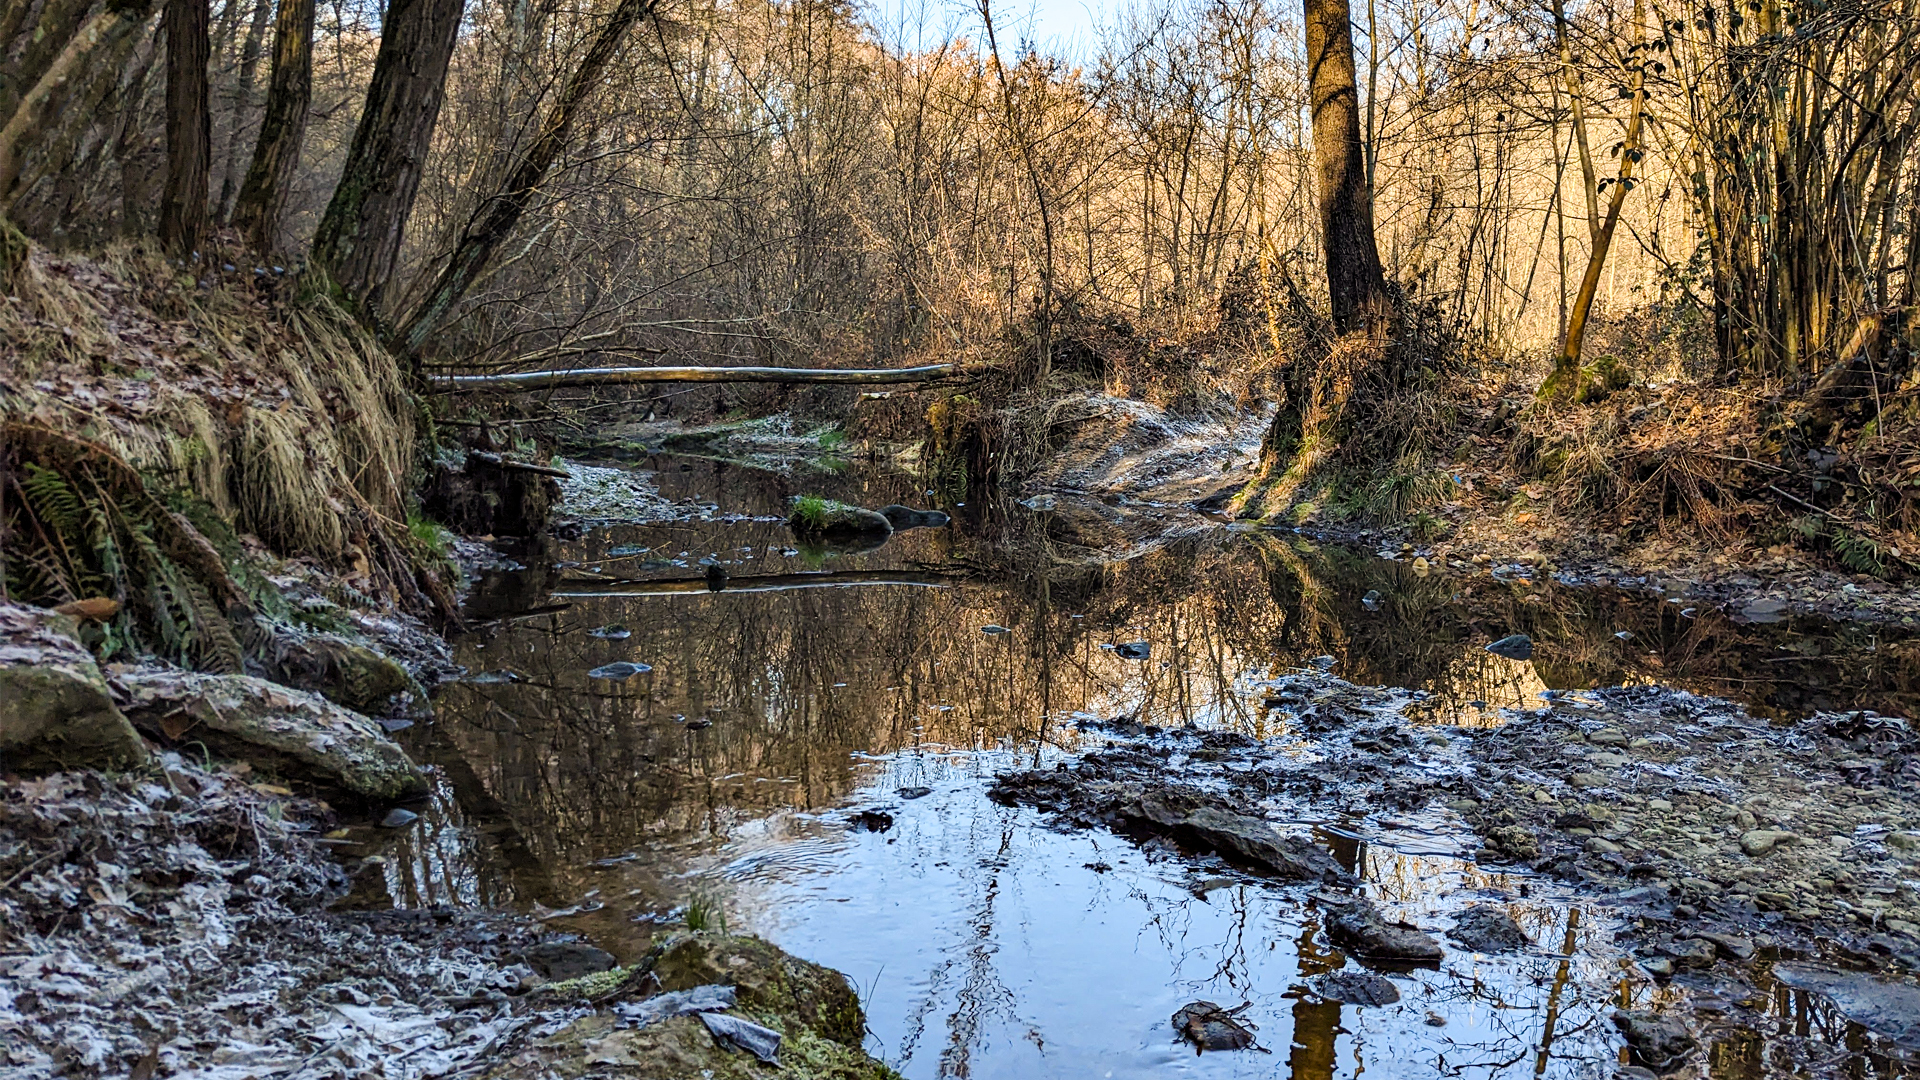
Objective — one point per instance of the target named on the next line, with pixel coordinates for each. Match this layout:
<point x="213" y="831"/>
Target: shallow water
<point x="985" y="943"/>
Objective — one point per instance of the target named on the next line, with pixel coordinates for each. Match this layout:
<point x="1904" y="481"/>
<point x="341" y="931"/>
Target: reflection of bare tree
<point x="1316" y="1024"/>
<point x="796" y="681"/>
<point x="981" y="994"/>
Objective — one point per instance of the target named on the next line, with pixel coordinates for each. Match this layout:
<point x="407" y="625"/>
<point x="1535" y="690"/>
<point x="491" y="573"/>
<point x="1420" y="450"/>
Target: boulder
<point x="344" y="672"/>
<point x="55" y="709"/>
<point x="1238" y="838"/>
<point x="252" y="719"/>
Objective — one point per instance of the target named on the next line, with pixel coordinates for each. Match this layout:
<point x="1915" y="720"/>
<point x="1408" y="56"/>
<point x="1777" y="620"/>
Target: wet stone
<point x="558" y="961"/>
<point x="398" y="818"/>
<point x="871" y="821"/>
<point x="1356" y="988"/>
<point x="1513" y="647"/>
<point x="1488" y="929"/>
<point x="619" y="671"/>
<point x="1359" y="928"/>
<point x="1658" y="1041"/>
<point x="915" y="792"/>
<point x="1514" y="842"/>
<point x="1209" y="1027"/>
<point x="1758" y="842"/>
<point x="1133" y="650"/>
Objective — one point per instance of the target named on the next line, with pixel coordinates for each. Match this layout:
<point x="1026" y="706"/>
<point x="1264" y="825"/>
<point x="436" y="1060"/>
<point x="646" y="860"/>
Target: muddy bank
<point x="174" y="921"/>
<point x="1742" y="859"/>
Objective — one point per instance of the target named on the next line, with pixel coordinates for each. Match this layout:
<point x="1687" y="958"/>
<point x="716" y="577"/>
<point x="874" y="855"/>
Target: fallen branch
<point x="554" y="380"/>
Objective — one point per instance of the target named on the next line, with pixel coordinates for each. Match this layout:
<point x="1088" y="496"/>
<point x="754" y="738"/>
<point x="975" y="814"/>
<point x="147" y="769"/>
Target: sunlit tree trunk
<point x="183" y="203"/>
<point x="1355" y="282"/>
<point x="359" y="238"/>
<point x="276" y="154"/>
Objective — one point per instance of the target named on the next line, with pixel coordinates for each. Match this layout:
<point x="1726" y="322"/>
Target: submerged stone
<point x="1658" y="1041"/>
<point x="619" y="671"/>
<point x="1359" y="928"/>
<point x="1356" y="988"/>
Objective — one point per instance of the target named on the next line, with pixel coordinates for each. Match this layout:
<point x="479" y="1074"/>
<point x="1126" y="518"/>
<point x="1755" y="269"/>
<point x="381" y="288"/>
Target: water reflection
<point x="985" y="943"/>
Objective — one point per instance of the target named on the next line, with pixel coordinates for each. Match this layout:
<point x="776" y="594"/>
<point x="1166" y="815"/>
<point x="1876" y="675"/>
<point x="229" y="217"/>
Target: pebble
<point x="1758" y="842"/>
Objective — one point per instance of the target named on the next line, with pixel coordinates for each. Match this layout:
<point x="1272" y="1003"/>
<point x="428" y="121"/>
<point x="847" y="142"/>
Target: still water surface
<point x="985" y="943"/>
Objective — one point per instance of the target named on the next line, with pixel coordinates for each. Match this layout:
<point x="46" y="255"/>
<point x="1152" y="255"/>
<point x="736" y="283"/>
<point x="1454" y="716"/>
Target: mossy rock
<point x="814" y="518"/>
<point x="55" y="709"/>
<point x="814" y="1008"/>
<point x="344" y="672"/>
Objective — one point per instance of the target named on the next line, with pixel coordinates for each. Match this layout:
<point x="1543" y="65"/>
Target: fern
<point x="1860" y="554"/>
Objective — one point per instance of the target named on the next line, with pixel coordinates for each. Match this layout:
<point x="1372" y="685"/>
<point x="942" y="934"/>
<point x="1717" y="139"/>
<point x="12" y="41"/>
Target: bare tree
<point x="183" y="203"/>
<point x="1356" y="284"/>
<point x="283" y="127"/>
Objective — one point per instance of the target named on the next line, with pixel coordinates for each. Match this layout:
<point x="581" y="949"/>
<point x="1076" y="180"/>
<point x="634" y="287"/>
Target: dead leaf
<point x="271" y="789"/>
<point x="177" y="723"/>
<point x="93" y="608"/>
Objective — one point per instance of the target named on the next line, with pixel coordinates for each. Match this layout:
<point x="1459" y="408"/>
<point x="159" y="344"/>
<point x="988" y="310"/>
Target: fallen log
<point x="592" y="588"/>
<point x="555" y="380"/>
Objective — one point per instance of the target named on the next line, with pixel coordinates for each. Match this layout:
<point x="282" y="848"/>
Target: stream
<point x="807" y="752"/>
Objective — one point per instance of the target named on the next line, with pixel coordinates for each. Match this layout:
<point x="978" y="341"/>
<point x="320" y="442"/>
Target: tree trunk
<point x="37" y="108"/>
<point x="358" y="242"/>
<point x="183" y="203"/>
<point x="283" y="128"/>
<point x="242" y="104"/>
<point x="1563" y="380"/>
<point x="497" y="216"/>
<point x="1355" y="282"/>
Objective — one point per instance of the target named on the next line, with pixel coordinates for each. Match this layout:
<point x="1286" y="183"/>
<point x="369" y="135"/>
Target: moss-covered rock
<point x="344" y="672"/>
<point x="55" y="709"/>
<point x="815" y="518"/>
<point x="298" y="732"/>
<point x="814" y="1008"/>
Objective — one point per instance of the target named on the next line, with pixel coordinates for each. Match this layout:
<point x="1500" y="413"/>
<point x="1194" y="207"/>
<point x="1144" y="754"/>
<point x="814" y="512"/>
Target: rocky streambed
<point x="1740" y="860"/>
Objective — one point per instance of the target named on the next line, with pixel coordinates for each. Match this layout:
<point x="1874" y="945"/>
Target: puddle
<point x="985" y="942"/>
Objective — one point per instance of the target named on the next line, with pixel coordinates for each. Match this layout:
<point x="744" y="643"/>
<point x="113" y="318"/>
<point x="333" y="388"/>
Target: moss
<point x="588" y="987"/>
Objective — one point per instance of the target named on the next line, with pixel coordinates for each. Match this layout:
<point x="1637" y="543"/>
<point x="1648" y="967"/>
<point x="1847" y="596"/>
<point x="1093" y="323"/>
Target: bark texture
<point x="283" y="128"/>
<point x="358" y="242"/>
<point x="183" y="203"/>
<point x="497" y="216"/>
<point x="1355" y="281"/>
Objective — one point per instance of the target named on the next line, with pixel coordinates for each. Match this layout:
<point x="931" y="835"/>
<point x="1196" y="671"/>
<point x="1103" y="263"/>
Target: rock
<point x="1513" y="647"/>
<point x="1359" y="928"/>
<point x="1608" y="737"/>
<point x="619" y="671"/>
<point x="906" y="517"/>
<point x="871" y="821"/>
<point x="344" y="672"/>
<point x="1209" y="1027"/>
<point x="765" y="980"/>
<point x="1133" y="650"/>
<point x="398" y="818"/>
<point x="1758" y="842"/>
<point x="994" y="629"/>
<point x="913" y="792"/>
<point x="611" y="632"/>
<point x="1356" y="988"/>
<point x="248" y="718"/>
<point x="1766" y="609"/>
<point x="1239" y="838"/>
<point x="1325" y="663"/>
<point x="1888" y="1008"/>
<point x="825" y="519"/>
<point x="1040" y="502"/>
<point x="1371" y="601"/>
<point x="1730" y="946"/>
<point x="558" y="961"/>
<point x="55" y="709"/>
<point x="1514" y="842"/>
<point x="1488" y="929"/>
<point x="1694" y="953"/>
<point x="1602" y="846"/>
<point x="1658" y="1041"/>
<point x="1660" y="967"/>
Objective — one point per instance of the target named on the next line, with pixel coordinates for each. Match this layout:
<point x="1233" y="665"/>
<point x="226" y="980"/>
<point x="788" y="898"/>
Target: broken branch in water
<point x="554" y="380"/>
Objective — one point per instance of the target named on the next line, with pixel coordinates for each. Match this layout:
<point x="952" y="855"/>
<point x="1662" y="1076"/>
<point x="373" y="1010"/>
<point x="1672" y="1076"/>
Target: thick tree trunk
<point x="358" y="242"/>
<point x="497" y="216"/>
<point x="1355" y="281"/>
<point x="183" y="203"/>
<point x="283" y="128"/>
